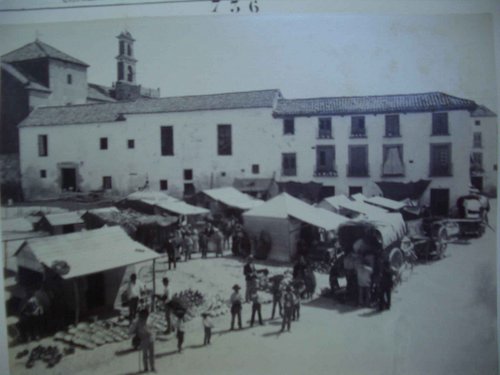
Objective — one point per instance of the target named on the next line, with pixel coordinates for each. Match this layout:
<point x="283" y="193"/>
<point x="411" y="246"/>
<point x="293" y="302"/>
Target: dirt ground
<point x="442" y="321"/>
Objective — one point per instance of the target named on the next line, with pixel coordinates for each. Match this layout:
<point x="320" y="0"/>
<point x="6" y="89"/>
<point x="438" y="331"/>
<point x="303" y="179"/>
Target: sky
<point x="302" y="55"/>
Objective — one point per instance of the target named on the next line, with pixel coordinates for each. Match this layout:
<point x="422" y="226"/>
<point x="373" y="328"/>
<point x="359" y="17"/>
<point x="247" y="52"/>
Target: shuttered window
<point x="167" y="140"/>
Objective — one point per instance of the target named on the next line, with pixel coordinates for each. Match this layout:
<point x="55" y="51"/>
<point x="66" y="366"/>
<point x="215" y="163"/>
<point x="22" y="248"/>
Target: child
<point x="208" y="325"/>
<point x="180" y="331"/>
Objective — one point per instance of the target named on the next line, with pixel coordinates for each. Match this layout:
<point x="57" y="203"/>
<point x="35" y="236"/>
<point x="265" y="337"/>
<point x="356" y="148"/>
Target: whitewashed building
<point x="187" y="144"/>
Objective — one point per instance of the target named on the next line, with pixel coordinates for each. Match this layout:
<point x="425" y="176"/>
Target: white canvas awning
<point x="391" y="226"/>
<point x="386" y="203"/>
<point x="368" y="210"/>
<point x="66" y="218"/>
<point x="233" y="198"/>
<point x="284" y="206"/>
<point x="336" y="200"/>
<point x="19" y="224"/>
<point x="86" y="252"/>
<point x="182" y="208"/>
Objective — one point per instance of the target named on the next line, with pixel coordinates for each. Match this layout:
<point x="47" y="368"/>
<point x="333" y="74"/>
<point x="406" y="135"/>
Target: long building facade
<point x="185" y="144"/>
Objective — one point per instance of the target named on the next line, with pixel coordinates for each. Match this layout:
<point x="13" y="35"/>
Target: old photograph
<point x="242" y="194"/>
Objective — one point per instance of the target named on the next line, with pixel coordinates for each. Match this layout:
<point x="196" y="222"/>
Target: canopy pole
<point x="154" y="286"/>
<point x="77" y="302"/>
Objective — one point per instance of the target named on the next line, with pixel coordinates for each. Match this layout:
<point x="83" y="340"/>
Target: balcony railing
<point x="357" y="170"/>
<point x="358" y="135"/>
<point x="441" y="170"/>
<point x="289" y="172"/>
<point x="400" y="173"/>
<point x="325" y="135"/>
<point x="321" y="172"/>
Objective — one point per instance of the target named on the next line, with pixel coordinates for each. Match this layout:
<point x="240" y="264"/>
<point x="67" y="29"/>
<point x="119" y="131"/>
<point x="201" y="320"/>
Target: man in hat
<point x="250" y="273"/>
<point x="256" y="307"/>
<point x="288" y="304"/>
<point x="236" y="302"/>
<point x="170" y="249"/>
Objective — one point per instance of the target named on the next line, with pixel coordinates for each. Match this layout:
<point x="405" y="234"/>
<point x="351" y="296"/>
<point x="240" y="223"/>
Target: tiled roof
<point x="483" y="111"/>
<point x="98" y="92"/>
<point x="110" y="112"/>
<point x="38" y="50"/>
<point x="29" y="82"/>
<point x="349" y="105"/>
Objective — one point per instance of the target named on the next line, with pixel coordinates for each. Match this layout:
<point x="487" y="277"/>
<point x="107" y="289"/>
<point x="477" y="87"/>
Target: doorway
<point x="95" y="291"/>
<point x="68" y="179"/>
<point x="440" y="202"/>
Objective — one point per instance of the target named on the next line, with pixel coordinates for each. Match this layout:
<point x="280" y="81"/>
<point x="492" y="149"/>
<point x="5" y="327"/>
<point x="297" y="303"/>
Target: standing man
<point x="288" y="304"/>
<point x="144" y="329"/>
<point x="135" y="290"/>
<point x="166" y="301"/>
<point x="256" y="307"/>
<point x="236" y="302"/>
<point x="250" y="273"/>
<point x="277" y="295"/>
<point x="364" y="275"/>
<point x="188" y="245"/>
<point x="170" y="248"/>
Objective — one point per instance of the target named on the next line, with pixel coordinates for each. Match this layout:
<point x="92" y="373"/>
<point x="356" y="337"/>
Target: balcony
<point x="357" y="170"/>
<point x="395" y="173"/>
<point x="290" y="172"/>
<point x="324" y="135"/>
<point x="441" y="170"/>
<point x="358" y="135"/>
<point x="322" y="172"/>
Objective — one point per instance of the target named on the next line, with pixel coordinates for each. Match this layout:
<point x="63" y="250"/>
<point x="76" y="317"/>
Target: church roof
<point x="350" y="105"/>
<point x="99" y="93"/>
<point x="483" y="111"/>
<point x="29" y="82"/>
<point x="39" y="50"/>
<point x="111" y="112"/>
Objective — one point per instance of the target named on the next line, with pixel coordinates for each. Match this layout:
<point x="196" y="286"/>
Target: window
<point x="43" y="173"/>
<point x="69" y="79"/>
<point x="103" y="142"/>
<point x="289" y="164"/>
<point x="255" y="169"/>
<point x="477" y="122"/>
<point x="188" y="174"/>
<point x="393" y="164"/>
<point x="121" y="71"/>
<point x="325" y="128"/>
<point x="129" y="50"/>
<point x="163" y="185"/>
<point x="130" y="74"/>
<point x="440" y="123"/>
<point x="358" y="126"/>
<point x="288" y="126"/>
<point x="476" y="162"/>
<point x="189" y="189"/>
<point x="43" y="146"/>
<point x="478" y="140"/>
<point x="358" y="161"/>
<point x="392" y="126"/>
<point x="167" y="140"/>
<point x="131" y="143"/>
<point x="441" y="160"/>
<point x="224" y="146"/>
<point x="122" y="47"/>
<point x="106" y="183"/>
<point x="325" y="161"/>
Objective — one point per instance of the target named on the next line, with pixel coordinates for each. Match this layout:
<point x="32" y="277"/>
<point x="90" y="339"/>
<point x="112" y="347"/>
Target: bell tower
<point x="126" y="87"/>
<point x="125" y="59"/>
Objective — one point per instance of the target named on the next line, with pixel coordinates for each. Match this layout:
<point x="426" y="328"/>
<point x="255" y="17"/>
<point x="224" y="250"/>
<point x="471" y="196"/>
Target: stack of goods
<point x="218" y="306"/>
<point x="51" y="355"/>
<point x="92" y="335"/>
<point x="320" y="266"/>
<point x="187" y="302"/>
